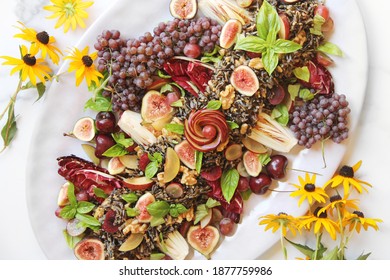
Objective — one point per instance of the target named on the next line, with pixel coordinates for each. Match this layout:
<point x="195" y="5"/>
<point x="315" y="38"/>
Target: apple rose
<point x="206" y="129"/>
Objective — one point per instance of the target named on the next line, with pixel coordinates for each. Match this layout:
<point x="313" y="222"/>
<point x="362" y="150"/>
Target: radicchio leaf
<point x="321" y="79"/>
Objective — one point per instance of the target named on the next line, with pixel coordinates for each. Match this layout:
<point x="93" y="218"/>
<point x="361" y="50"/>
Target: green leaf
<point x="71" y="240"/>
<point x="84" y="207"/>
<point x="285" y="46"/>
<point x="130" y="197"/>
<point x="304" y="249"/>
<point x="88" y="220"/>
<point x="166" y="88"/>
<point x="363" y="257"/>
<point x="157" y="256"/>
<point x="306" y="94"/>
<point x="177" y="103"/>
<point x="9" y="130"/>
<point x="333" y="255"/>
<point x="182" y="91"/>
<point x="251" y="44"/>
<point x="210" y="203"/>
<point x="207" y="59"/>
<point x="280" y="114"/>
<point x="270" y="61"/>
<point x="158" y="209"/>
<point x="246" y="194"/>
<point x="330" y="48"/>
<point x="201" y="212"/>
<point x="99" y="193"/>
<point x="229" y="183"/>
<point x="214" y="105"/>
<point x="120" y="138"/>
<point x="293" y="90"/>
<point x="68" y="212"/>
<point x="302" y="73"/>
<point x="132" y="212"/>
<point x="157" y="221"/>
<point x="232" y="125"/>
<point x="98" y="103"/>
<point x="156" y="157"/>
<point x="161" y="74"/>
<point x="264" y="159"/>
<point x="267" y="21"/>
<point x="71" y="196"/>
<point x="41" y="88"/>
<point x="116" y="151"/>
<point x="151" y="169"/>
<point x="198" y="161"/>
<point x="318" y="21"/>
<point x="175" y="128"/>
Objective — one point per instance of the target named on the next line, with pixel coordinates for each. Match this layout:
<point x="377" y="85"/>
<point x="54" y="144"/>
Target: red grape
<point x="226" y="226"/>
<point x="103" y="143"/>
<point x="322" y="11"/>
<point x="209" y="131"/>
<point x="192" y="50"/>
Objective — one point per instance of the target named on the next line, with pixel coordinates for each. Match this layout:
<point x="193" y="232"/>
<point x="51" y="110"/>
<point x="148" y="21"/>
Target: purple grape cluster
<point x="134" y="62"/>
<point x="321" y="118"/>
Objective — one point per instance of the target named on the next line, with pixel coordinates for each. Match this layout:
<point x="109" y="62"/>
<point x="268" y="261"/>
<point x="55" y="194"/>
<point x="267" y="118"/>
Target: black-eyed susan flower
<point x="308" y="190"/>
<point x="356" y="220"/>
<point x="340" y="203"/>
<point x="281" y="220"/>
<point x="70" y="13"/>
<point x="28" y="66"/>
<point x="82" y="63"/>
<point x="40" y="41"/>
<point x="321" y="222"/>
<point x="346" y="178"/>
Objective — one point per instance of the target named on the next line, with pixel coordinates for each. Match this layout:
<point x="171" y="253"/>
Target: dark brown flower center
<point x="346" y="171"/>
<point x="29" y="60"/>
<point x="335" y="198"/>
<point x="310" y="187"/>
<point x="87" y="60"/>
<point x="323" y="215"/>
<point x="282" y="213"/>
<point x="358" y="213"/>
<point x="43" y="37"/>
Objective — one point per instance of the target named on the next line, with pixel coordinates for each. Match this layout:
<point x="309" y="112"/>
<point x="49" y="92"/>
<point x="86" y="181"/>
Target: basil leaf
<point x="293" y="90"/>
<point x="71" y="196"/>
<point x="175" y="128"/>
<point x="87" y="219"/>
<point x="302" y="73"/>
<point x="157" y="256"/>
<point x="68" y="212"/>
<point x="251" y="44"/>
<point x="71" y="240"/>
<point x="330" y="48"/>
<point x="285" y="46"/>
<point x="151" y="169"/>
<point x="232" y="125"/>
<point x="99" y="193"/>
<point x="207" y="59"/>
<point x="129" y="197"/>
<point x="166" y="87"/>
<point x="84" y="207"/>
<point x="318" y="21"/>
<point x="156" y="221"/>
<point x="198" y="161"/>
<point x="132" y="212"/>
<point x="229" y="183"/>
<point x="177" y="103"/>
<point x="280" y="114"/>
<point x="210" y="203"/>
<point x="201" y="212"/>
<point x="174" y="212"/>
<point x="246" y="194"/>
<point x="270" y="61"/>
<point x="181" y="208"/>
<point x="98" y="103"/>
<point x="267" y="20"/>
<point x="116" y="151"/>
<point x="306" y="94"/>
<point x="158" y="209"/>
<point x="214" y="105"/>
<point x="121" y="139"/>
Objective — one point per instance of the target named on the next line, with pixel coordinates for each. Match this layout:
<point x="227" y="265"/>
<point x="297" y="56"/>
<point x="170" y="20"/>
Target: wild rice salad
<point x="191" y="119"/>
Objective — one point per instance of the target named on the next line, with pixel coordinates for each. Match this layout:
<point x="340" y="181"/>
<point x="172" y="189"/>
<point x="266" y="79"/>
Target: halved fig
<point x="186" y="153"/>
<point x="229" y="33"/>
<point x="132" y="242"/>
<point x="138" y="183"/>
<point x="252" y="163"/>
<point x="204" y="240"/>
<point x="244" y="80"/>
<point x="171" y="166"/>
<point x="244" y="3"/>
<point x="183" y="9"/>
<point x="174" y="190"/>
<point x="74" y="228"/>
<point x="155" y="106"/>
<point x="129" y="161"/>
<point x="254" y="146"/>
<point x="89" y="249"/>
<point x="284" y="32"/>
<point x="146" y="199"/>
<point x="233" y="152"/>
<point x="115" y="166"/>
<point x="84" y="129"/>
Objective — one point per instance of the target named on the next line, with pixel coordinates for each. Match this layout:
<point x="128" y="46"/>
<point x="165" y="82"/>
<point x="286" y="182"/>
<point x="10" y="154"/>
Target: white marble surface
<point x="369" y="141"/>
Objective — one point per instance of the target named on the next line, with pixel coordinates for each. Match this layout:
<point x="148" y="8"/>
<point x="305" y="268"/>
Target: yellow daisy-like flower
<point x="69" y="13"/>
<point x="346" y="178"/>
<point x="40" y="42"/>
<point x="337" y="201"/>
<point x="29" y="66"/>
<point x="82" y="63"/>
<point x="307" y="190"/>
<point x="321" y="222"/>
<point x="281" y="220"/>
<point x="356" y="220"/>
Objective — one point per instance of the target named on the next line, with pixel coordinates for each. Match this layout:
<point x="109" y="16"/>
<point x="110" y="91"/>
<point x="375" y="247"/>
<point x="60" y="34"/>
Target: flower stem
<point x="12" y="99"/>
<point x="318" y="238"/>
<point x="282" y="244"/>
<point x="342" y="243"/>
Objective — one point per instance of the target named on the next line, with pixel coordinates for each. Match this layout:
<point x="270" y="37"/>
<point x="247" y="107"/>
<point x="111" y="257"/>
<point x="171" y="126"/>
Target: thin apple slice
<point x="115" y="166"/>
<point x="138" y="183"/>
<point x="207" y="219"/>
<point x="171" y="166"/>
<point x="129" y="161"/>
<point x="132" y="242"/>
<point x="62" y="199"/>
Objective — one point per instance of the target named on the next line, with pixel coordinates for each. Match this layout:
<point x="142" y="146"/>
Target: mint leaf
<point x="175" y="128"/>
<point x="156" y="221"/>
<point x="232" y="125"/>
<point x="120" y="138"/>
<point x="318" y="21"/>
<point x="68" y="212"/>
<point x="177" y="209"/>
<point x="151" y="169"/>
<point x="71" y="196"/>
<point x="210" y="203"/>
<point x="158" y="209"/>
<point x="267" y="20"/>
<point x="84" y="207"/>
<point x="330" y="48"/>
<point x="285" y="46"/>
<point x="99" y="193"/>
<point x="132" y="212"/>
<point x="201" y="212"/>
<point x="129" y="197"/>
<point x="302" y="73"/>
<point x="157" y="157"/>
<point x="306" y="94"/>
<point x="116" y="151"/>
<point x="229" y="183"/>
<point x="251" y="44"/>
<point x="214" y="105"/>
<point x="270" y="61"/>
<point x="88" y="220"/>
